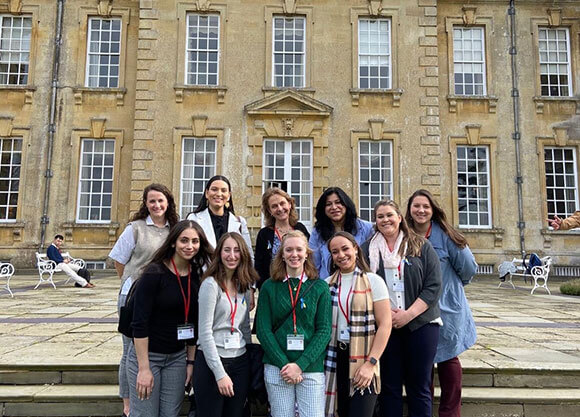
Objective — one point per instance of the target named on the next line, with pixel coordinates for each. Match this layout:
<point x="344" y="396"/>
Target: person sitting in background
<point x="53" y="253"/>
<point x="568" y="223"/>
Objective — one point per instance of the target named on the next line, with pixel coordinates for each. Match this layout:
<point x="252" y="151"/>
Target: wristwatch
<point x="372" y="360"/>
<point x="190" y="362"/>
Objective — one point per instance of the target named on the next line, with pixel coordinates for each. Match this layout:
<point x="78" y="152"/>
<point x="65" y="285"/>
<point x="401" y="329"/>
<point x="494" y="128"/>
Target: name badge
<point x="344" y="335"/>
<point x="295" y="342"/>
<point x="185" y="331"/>
<point x="232" y="341"/>
<point x="399" y="285"/>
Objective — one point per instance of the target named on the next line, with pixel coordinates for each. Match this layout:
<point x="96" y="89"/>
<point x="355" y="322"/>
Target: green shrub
<point x="571" y="287"/>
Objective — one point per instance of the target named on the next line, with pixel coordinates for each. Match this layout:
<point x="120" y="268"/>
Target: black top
<point x="219" y="223"/>
<point x="263" y="254"/>
<point x="159" y="308"/>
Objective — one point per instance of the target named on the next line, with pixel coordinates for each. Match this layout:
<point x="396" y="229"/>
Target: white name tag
<point x="232" y="341"/>
<point x="295" y="342"/>
<point x="185" y="332"/>
<point x="344" y="335"/>
<point x="399" y="285"/>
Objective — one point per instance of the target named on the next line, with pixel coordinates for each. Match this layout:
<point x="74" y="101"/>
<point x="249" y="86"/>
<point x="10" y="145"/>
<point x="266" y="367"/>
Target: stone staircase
<point x="90" y="390"/>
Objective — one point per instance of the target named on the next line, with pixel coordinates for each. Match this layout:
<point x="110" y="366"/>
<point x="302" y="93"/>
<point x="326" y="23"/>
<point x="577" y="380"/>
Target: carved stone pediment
<point x="289" y="102"/>
<point x="105" y="7"/>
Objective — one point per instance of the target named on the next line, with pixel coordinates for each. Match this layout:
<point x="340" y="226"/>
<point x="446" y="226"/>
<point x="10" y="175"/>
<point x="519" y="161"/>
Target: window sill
<point x="117" y="93"/>
<point x="574" y="232"/>
<point x="181" y="90"/>
<point x="16" y="226"/>
<point x="457" y="103"/>
<point x="112" y="228"/>
<point x="28" y="91"/>
<point x="395" y="94"/>
<point x="496" y="232"/>
<point x="543" y="101"/>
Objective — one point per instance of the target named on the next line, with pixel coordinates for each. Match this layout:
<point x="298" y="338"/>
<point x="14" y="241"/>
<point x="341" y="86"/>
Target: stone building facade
<point x="378" y="97"/>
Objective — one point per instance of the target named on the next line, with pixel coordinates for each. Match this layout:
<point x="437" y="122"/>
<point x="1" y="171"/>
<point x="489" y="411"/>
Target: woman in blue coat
<point x="458" y="266"/>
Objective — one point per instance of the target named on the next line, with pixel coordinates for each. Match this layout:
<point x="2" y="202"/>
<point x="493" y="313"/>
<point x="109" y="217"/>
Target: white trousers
<point x="71" y="270"/>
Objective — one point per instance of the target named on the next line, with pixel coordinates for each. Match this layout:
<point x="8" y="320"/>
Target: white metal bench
<point x="6" y="271"/>
<point x="539" y="274"/>
<point x="49" y="267"/>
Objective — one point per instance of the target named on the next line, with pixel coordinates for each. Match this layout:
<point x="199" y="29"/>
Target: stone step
<point x="102" y="400"/>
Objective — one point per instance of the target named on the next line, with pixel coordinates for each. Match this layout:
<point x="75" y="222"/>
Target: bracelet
<point x="190" y="362"/>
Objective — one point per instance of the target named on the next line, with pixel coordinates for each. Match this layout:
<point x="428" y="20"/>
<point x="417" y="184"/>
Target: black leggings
<point x="209" y="401"/>
<point x="358" y="405"/>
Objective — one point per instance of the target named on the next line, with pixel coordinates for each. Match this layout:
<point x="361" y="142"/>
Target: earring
<point x="227" y="205"/>
<point x="172" y="246"/>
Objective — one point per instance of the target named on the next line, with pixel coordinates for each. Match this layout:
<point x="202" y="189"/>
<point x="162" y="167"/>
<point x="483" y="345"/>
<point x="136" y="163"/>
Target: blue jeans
<point x="169" y="372"/>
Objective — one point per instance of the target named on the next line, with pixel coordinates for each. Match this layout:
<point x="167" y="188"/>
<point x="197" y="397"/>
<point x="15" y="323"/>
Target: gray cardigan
<point x="422" y="280"/>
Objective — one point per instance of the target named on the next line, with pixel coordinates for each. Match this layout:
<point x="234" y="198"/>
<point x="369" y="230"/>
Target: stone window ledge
<point x="456" y="101"/>
<point x="28" y="91"/>
<point x="395" y="93"/>
<point x="112" y="228"/>
<point x="181" y="90"/>
<point x="552" y="232"/>
<point x="16" y="227"/>
<point x="496" y="232"/>
<point x="541" y="102"/>
<point x="117" y="93"/>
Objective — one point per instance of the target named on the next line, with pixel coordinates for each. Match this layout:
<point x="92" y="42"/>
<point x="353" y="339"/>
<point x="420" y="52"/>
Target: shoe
<point x="89" y="285"/>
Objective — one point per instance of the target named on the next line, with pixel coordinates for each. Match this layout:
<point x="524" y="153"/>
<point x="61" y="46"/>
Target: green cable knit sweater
<point x="314" y="321"/>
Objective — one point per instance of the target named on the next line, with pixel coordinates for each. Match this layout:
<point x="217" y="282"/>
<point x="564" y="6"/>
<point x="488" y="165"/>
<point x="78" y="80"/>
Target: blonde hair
<point x="278" y="266"/>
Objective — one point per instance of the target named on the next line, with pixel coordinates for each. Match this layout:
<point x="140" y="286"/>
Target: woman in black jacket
<point x="280" y="217"/>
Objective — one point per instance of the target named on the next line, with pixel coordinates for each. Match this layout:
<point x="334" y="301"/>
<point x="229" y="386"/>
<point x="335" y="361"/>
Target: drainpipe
<point x="516" y="136"/>
<point x="44" y="220"/>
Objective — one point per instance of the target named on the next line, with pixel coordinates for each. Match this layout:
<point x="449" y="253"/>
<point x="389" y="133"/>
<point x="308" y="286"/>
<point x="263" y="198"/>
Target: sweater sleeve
<point x="323" y="324"/>
<point x="571" y="222"/>
<point x="208" y="295"/>
<point x="145" y="292"/>
<point x="53" y="254"/>
<point x="432" y="275"/>
<point x="245" y="324"/>
<point x="462" y="261"/>
<point x="263" y="256"/>
<point x="264" y="327"/>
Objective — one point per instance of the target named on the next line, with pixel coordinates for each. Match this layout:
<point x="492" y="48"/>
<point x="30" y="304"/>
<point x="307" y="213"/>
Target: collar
<point x="304" y="278"/>
<point x="149" y="221"/>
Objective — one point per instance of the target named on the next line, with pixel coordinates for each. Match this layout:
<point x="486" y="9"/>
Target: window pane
<point x="202" y="49"/>
<point x="554" y="61"/>
<point x="14" y="49"/>
<point x="197" y="167"/>
<point x="288" y="51"/>
<point x="374" y="57"/>
<point x="375" y="174"/>
<point x="561" y="181"/>
<point x="474" y="204"/>
<point x="469" y="61"/>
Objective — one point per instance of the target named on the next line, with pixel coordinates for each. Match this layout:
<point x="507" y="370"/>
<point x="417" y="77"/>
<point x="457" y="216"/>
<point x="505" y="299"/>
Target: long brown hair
<point x="411" y="240"/>
<point x="244" y="275"/>
<point x="361" y="263"/>
<point x="269" y="219"/>
<point x="171" y="212"/>
<point x="438" y="216"/>
<point x="278" y="266"/>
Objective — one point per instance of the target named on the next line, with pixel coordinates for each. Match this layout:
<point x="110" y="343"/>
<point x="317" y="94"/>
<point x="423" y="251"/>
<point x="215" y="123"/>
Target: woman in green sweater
<point x="293" y="325"/>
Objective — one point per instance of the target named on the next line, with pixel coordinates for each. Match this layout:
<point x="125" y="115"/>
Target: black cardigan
<point x="263" y="255"/>
<point x="422" y="280"/>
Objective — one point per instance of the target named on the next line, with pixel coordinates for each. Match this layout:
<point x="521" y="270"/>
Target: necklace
<point x="294" y="288"/>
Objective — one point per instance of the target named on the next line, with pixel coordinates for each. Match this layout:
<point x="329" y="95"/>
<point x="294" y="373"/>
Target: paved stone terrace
<point x="77" y="326"/>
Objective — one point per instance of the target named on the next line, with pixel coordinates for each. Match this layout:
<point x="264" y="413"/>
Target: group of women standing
<point x="346" y="316"/>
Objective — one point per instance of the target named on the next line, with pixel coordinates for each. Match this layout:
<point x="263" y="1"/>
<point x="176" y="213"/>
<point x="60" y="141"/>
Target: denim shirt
<point x="322" y="258"/>
<point x="458" y="266"/>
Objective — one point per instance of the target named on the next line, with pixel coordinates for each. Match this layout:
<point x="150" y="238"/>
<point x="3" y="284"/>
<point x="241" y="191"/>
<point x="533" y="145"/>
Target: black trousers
<point x="359" y="405"/>
<point x="209" y="401"/>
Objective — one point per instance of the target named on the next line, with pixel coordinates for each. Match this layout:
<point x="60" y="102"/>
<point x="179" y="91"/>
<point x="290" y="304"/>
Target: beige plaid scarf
<point x="362" y="333"/>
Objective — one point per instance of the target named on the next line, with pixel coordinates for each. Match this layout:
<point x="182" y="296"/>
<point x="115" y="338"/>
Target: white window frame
<point x="109" y="67"/>
<point x="188" y="183"/>
<point x="474" y="199"/>
<point x="460" y="60"/>
<point x="304" y="210"/>
<point x="18" y="47"/>
<point x="13" y="177"/>
<point x="571" y="203"/>
<point x="90" y="179"/>
<point x="384" y="172"/>
<point x="285" y="54"/>
<point x="554" y="66"/>
<point x="381" y="53"/>
<point x="200" y="63"/>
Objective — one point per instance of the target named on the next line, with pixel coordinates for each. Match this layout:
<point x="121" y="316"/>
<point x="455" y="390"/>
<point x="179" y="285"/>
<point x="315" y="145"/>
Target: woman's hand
<point x="226" y="386"/>
<point x="363" y="375"/>
<point x="144" y="384"/>
<point x="400" y="318"/>
<point x="291" y="373"/>
<point x="188" y="374"/>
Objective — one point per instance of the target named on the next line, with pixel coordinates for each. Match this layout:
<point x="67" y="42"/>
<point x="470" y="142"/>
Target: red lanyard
<point x="233" y="308"/>
<point x="346" y="312"/>
<point x="293" y="300"/>
<point x="186" y="301"/>
<point x="428" y="231"/>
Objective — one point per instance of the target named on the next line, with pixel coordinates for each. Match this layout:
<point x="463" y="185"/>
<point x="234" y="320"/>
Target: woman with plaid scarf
<point x="361" y="325"/>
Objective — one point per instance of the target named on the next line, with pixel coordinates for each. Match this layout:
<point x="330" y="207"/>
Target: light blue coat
<point x="364" y="230"/>
<point x="458" y="266"/>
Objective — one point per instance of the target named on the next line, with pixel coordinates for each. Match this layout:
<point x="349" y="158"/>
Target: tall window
<point x="288" y="165"/>
<point x="103" y="53"/>
<point x="10" y="163"/>
<point x="374" y="53"/>
<point x="202" y="49"/>
<point x="197" y="167"/>
<point x="561" y="181"/>
<point x="474" y="196"/>
<point x="96" y="181"/>
<point x="469" y="61"/>
<point x="14" y="49"/>
<point x="554" y="46"/>
<point x="375" y="174"/>
<point x="289" y="52"/>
